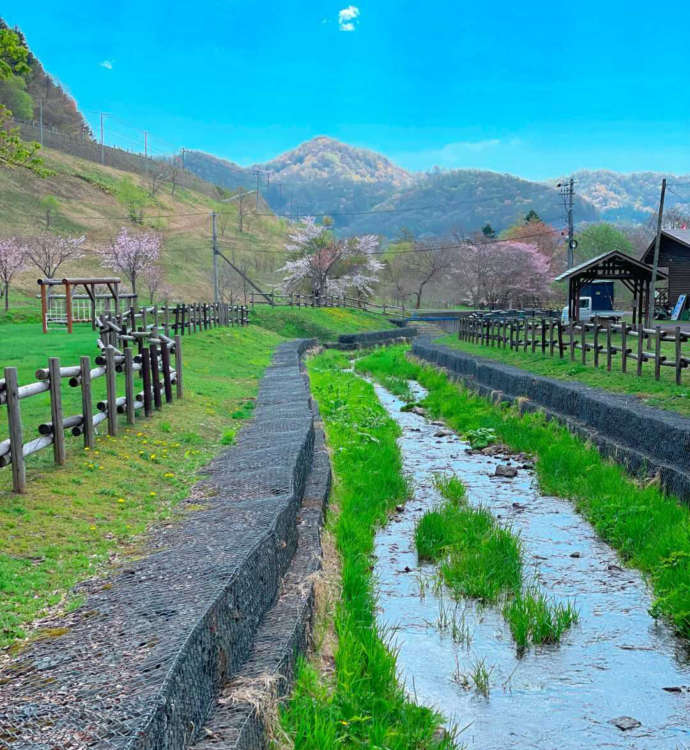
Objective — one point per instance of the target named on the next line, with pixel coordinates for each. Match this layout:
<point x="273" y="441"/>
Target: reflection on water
<point x="615" y="662"/>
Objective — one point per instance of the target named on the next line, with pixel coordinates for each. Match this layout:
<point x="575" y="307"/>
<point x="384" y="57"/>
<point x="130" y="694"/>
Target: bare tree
<point x="12" y="260"/>
<point x="49" y="251"/>
<point x="416" y="268"/>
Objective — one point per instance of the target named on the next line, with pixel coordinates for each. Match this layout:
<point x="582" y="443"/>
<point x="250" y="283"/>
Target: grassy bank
<point x="651" y="531"/>
<point x="361" y="705"/>
<point x="663" y="394"/>
<point x="322" y="323"/>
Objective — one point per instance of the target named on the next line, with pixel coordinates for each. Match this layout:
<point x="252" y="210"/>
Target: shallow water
<point x="615" y="662"/>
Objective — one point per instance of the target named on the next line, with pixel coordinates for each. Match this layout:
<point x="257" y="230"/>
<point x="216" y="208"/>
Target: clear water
<point x="615" y="662"/>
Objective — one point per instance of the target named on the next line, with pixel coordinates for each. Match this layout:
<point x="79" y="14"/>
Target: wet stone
<point x="624" y="723"/>
<point x="503" y="470"/>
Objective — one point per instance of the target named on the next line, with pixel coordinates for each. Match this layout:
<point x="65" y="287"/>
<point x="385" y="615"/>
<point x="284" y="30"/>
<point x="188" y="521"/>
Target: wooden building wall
<point x="674" y="258"/>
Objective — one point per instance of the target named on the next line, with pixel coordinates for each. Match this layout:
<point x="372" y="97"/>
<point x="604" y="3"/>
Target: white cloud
<point x="347" y="18"/>
<point x="107" y="64"/>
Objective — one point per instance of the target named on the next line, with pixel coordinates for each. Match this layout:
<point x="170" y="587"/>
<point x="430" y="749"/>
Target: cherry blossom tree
<point x="503" y="273"/>
<point x="132" y="254"/>
<point x="49" y="251"/>
<point x="12" y="260"/>
<point x="325" y="265"/>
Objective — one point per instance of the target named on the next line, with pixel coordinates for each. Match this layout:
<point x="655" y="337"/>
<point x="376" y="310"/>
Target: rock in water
<point x="625" y="722"/>
<point x="503" y="470"/>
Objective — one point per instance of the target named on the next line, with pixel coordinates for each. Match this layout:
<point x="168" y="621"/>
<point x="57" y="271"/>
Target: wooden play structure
<point x="69" y="306"/>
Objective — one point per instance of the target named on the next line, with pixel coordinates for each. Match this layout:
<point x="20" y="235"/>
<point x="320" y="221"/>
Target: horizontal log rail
<point x="330" y="300"/>
<point x="597" y="342"/>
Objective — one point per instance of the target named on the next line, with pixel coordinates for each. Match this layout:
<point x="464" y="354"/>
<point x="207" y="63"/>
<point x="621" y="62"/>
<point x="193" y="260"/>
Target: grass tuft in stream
<point x="533" y="618"/>
<point x="361" y="704"/>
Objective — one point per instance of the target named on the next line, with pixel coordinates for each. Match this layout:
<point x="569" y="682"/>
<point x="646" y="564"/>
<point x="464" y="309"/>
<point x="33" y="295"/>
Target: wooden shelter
<point x="90" y="286"/>
<point x="612" y="266"/>
<point x="674" y="257"/>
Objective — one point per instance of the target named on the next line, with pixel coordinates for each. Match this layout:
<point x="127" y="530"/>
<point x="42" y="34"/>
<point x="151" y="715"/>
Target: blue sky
<point x="536" y="89"/>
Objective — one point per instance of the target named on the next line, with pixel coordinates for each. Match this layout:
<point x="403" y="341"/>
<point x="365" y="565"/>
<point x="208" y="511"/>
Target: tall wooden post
<point x="111" y="393"/>
<point x="86" y="403"/>
<point x="14" y="419"/>
<point x="44" y="308"/>
<point x="68" y="305"/>
<point x="56" y="410"/>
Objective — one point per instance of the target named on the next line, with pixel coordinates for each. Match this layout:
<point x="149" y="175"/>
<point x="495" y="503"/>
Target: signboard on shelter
<point x="678" y="309"/>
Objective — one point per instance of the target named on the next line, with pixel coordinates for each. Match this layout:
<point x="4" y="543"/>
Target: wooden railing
<point x="599" y="341"/>
<point x="312" y="300"/>
<point x="140" y="347"/>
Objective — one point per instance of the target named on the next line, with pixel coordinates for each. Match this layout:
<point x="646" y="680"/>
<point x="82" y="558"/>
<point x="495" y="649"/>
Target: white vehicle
<point x="586" y="312"/>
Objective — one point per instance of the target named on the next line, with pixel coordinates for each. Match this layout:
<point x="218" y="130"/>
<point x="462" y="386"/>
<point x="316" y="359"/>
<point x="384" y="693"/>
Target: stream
<point x="618" y="663"/>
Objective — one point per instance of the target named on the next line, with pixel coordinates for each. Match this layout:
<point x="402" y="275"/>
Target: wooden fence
<point x="597" y="341"/>
<point x="143" y="345"/>
<point x="312" y="300"/>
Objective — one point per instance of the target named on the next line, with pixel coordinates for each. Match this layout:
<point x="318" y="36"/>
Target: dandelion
<point x="120" y="499"/>
<point x="140" y="434"/>
<point x="86" y="448"/>
<point x="153" y="494"/>
<point x="152" y="456"/>
<point x="92" y="527"/>
<point x="168" y="475"/>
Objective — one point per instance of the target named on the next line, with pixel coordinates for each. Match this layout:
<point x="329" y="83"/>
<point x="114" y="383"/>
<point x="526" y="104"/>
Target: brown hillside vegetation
<point x="98" y="201"/>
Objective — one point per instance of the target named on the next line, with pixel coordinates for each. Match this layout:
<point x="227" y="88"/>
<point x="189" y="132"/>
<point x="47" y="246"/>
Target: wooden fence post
<point x="155" y="376"/>
<point x="657" y="353"/>
<point x="56" y="410"/>
<point x="129" y="386"/>
<point x="146" y="379"/>
<point x="86" y="403"/>
<point x="111" y="392"/>
<point x="678" y="355"/>
<point x="596" y="344"/>
<point x="167" y="382"/>
<point x="608" y="345"/>
<point x="640" y="348"/>
<point x="561" y="345"/>
<point x="14" y="419"/>
<point x="583" y="341"/>
<point x="624" y="346"/>
<point x="178" y="367"/>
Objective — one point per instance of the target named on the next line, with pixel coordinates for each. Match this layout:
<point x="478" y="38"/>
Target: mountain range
<point x="365" y="192"/>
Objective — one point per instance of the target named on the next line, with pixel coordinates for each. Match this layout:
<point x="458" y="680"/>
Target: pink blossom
<point x="132" y="254"/>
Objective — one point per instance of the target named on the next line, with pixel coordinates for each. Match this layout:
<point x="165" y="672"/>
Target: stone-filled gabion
<point x="643" y="439"/>
<point x="140" y="664"/>
<point x="349" y="341"/>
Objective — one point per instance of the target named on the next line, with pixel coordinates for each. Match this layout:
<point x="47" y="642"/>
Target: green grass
<point x="362" y="704"/>
<point x="324" y="324"/>
<point x="75" y="520"/>
<point x="663" y="393"/>
<point x="482" y="560"/>
<point x="535" y="619"/>
<point x="650" y="530"/>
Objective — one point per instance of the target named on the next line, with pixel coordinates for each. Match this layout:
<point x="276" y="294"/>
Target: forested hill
<point x="365" y="192"/>
<point x="23" y="93"/>
<point x="631" y="197"/>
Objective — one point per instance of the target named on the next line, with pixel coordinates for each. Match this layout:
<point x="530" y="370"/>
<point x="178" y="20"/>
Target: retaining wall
<point x="645" y="440"/>
<point x="371" y="338"/>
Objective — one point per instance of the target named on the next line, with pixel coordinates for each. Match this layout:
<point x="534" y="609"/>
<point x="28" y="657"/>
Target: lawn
<point x="663" y="393"/>
<point x="323" y="323"/>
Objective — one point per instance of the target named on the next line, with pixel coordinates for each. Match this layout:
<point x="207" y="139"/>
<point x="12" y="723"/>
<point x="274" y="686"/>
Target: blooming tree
<point x="132" y="254"/>
<point x="49" y="251"/>
<point x="326" y="265"/>
<point x="12" y="260"/>
<point x="501" y="273"/>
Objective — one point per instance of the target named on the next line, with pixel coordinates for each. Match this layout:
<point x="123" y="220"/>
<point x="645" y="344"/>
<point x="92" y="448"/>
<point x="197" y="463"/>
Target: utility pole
<point x="40" y="109"/>
<point x="102" y="151"/>
<point x="216" y="295"/>
<point x="257" y="172"/>
<point x="651" y="303"/>
<point x="568" y="193"/>
<point x="146" y="144"/>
